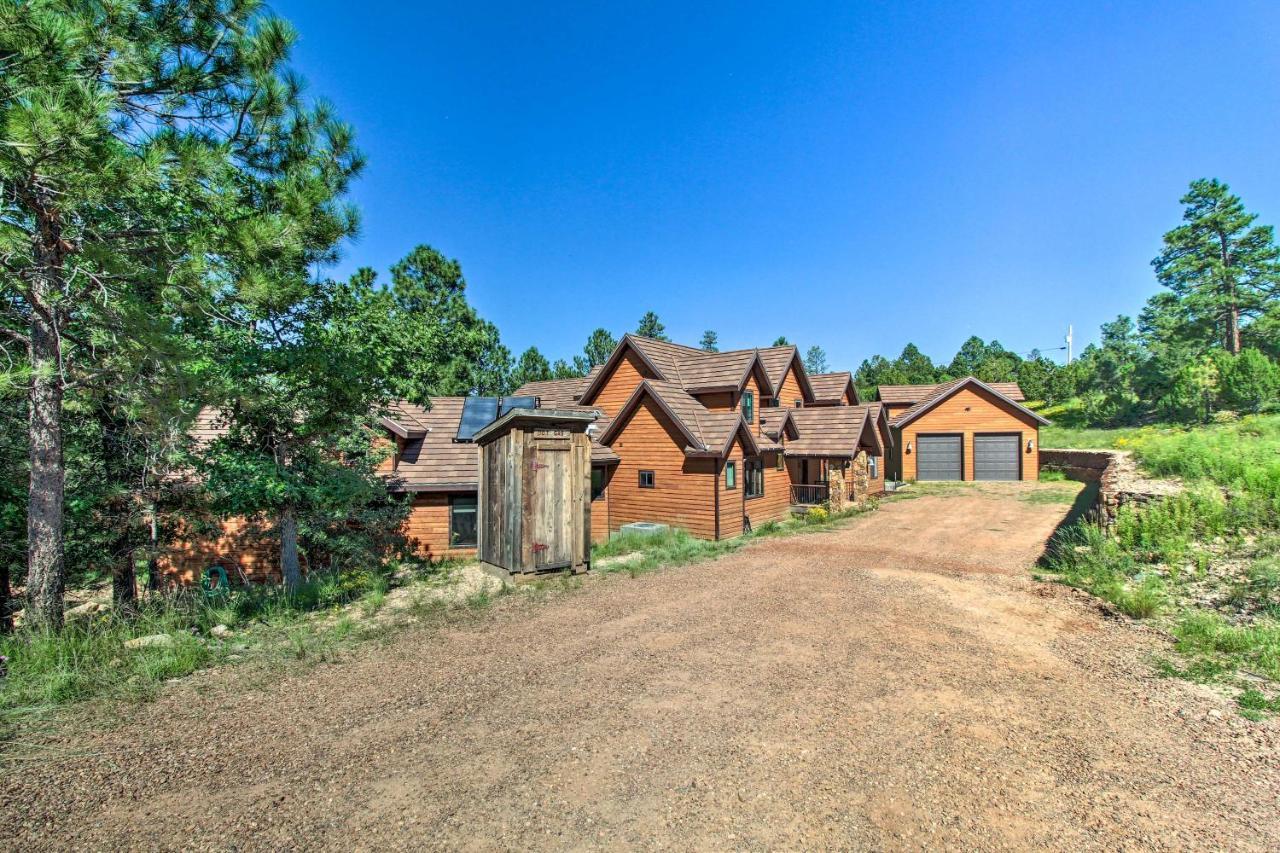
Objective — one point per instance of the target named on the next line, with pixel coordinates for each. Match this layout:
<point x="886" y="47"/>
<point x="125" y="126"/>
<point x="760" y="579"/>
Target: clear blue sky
<point x="856" y="175"/>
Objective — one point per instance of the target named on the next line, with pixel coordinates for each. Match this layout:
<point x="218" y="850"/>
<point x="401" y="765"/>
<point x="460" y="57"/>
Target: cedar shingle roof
<point x="554" y="393"/>
<point x="946" y="389"/>
<point x="692" y="369"/>
<point x="831" y="387"/>
<point x="833" y="431"/>
<point x="776" y="360"/>
<point x="899" y="394"/>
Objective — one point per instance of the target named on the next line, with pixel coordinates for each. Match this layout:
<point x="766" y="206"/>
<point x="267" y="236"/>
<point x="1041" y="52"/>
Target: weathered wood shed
<point x="535" y="490"/>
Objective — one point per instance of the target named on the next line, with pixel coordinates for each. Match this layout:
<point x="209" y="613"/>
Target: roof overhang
<point x="400" y="429"/>
<point x="542" y="418"/>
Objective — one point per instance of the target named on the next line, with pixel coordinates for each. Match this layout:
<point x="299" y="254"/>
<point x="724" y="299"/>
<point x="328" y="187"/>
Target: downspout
<point x="716" y="496"/>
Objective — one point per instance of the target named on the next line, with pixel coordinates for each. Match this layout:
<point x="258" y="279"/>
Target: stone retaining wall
<point x="1116" y="474"/>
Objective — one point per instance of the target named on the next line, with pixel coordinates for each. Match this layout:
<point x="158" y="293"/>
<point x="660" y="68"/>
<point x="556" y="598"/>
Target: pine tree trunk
<point x="6" y="600"/>
<point x="46" y="567"/>
<point x="1232" y="341"/>
<point x="124" y="585"/>
<point x="290" y="570"/>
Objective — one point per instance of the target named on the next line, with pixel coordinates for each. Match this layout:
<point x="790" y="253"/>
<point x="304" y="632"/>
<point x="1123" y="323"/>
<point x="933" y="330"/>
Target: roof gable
<point x="832" y="387"/>
<point x="835" y="431"/>
<point x="706" y="433"/>
<point x="949" y="389"/>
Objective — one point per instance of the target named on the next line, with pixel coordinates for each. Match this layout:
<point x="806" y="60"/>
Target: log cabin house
<point x="964" y="429"/>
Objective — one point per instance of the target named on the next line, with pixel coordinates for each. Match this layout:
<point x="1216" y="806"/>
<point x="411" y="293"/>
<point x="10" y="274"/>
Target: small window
<point x="646" y="479"/>
<point x="754" y="473"/>
<point x="462" y="521"/>
<point x="731" y="475"/>
<point x="781" y="463"/>
<point x="749" y="406"/>
<point x="597" y="482"/>
<point x="798" y="403"/>
<point x="873" y="467"/>
<point x="769" y="402"/>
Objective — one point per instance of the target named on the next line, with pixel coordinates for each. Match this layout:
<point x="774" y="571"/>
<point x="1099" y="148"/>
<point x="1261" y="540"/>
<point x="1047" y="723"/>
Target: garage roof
<point x="947" y="389"/>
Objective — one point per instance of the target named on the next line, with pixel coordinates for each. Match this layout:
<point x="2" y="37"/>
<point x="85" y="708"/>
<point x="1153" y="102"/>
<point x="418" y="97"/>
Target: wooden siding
<point x="427" y="527"/>
<point x="246" y="551"/>
<point x="970" y="411"/>
<point x="733" y="505"/>
<point x="600" y="507"/>
<point x="620" y="383"/>
<point x="790" y="389"/>
<point x="683" y="488"/>
<point x="731" y="401"/>
<point x="775" y="504"/>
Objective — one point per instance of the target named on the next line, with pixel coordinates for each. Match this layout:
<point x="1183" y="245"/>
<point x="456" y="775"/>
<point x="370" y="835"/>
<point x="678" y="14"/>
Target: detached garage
<point x="966" y="430"/>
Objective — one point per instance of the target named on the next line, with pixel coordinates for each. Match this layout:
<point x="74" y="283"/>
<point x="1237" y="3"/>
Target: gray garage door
<point x="995" y="457"/>
<point x="939" y="457"/>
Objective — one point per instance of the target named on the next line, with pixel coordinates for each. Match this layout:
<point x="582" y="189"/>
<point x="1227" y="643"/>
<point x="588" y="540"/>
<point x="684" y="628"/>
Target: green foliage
<point x="532" y="366"/>
<point x="710" y="341"/>
<point x="600" y="345"/>
<point x="651" y="327"/>
<point x="815" y="360"/>
<point x="781" y="341"/>
<point x="1220" y="265"/>
<point x="1250" y="381"/>
<point x="816" y="515"/>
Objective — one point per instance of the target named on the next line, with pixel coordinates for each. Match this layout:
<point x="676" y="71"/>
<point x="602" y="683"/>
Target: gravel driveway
<point x="900" y="683"/>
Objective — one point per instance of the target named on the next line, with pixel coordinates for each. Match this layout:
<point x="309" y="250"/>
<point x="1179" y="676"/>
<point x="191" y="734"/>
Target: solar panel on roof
<point x="477" y="413"/>
<point x="509" y="403"/>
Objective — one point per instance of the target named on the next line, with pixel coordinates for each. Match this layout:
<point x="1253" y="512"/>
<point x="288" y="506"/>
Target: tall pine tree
<point x="1223" y="267"/>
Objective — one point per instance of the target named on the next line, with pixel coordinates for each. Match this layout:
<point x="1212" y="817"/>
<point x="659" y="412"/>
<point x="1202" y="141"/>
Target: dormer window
<point x="749" y="406"/>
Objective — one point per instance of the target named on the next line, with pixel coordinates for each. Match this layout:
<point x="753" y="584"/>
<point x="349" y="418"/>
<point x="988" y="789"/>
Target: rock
<point x="151" y="641"/>
<point x="220" y="631"/>
<point x="84" y="611"/>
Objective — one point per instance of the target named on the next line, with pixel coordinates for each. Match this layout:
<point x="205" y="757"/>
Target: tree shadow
<point x="1082" y="510"/>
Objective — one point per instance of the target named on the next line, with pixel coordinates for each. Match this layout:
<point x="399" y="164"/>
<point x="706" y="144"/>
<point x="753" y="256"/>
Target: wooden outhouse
<point x="534" y="503"/>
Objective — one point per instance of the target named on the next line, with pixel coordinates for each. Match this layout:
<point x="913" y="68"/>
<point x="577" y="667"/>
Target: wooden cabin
<point x="965" y="429"/>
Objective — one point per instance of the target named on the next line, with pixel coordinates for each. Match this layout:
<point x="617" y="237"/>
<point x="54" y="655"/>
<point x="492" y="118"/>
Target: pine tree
<point x="710" y="341"/>
<point x="651" y="327"/>
<point x="815" y="360"/>
<point x="600" y="345"/>
<point x="158" y="161"/>
<point x="1223" y="267"/>
<point x="781" y="341"/>
<point x="532" y="366"/>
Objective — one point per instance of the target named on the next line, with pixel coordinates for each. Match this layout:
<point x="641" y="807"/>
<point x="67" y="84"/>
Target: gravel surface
<point x="898" y="683"/>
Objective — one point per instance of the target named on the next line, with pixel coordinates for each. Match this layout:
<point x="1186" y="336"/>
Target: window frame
<point x="797" y="404"/>
<point x="731" y="475"/>
<point x="752" y="475"/>
<point x="748" y="406"/>
<point x="454" y="501"/>
<point x="597" y="470"/>
<point x="873" y="467"/>
<point x="653" y="478"/>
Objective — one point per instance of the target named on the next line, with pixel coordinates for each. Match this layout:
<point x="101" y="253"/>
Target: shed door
<point x="996" y="457"/>
<point x="552" y="502"/>
<point x="940" y="457"/>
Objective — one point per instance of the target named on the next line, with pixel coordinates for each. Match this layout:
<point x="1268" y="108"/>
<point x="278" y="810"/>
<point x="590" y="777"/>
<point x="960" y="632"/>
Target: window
<point x="597" y="482"/>
<point x="769" y="403"/>
<point x="782" y="462"/>
<point x="753" y="472"/>
<point x="731" y="475"/>
<point x="798" y="403"/>
<point x="749" y="406"/>
<point x="462" y="521"/>
<point x="646" y="479"/>
<point x="873" y="467"/>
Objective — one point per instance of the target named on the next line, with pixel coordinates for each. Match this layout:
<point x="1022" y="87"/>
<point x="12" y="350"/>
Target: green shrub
<point x="816" y="515"/>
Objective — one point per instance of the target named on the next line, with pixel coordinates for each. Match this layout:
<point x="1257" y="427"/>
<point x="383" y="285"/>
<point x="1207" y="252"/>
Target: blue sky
<point x="856" y="175"/>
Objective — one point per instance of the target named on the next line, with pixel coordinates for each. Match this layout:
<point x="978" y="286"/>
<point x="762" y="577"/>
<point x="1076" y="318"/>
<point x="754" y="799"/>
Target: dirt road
<point x="899" y="683"/>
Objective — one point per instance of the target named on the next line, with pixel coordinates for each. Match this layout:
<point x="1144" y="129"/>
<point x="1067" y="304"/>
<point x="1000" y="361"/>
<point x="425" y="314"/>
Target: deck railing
<point x="809" y="495"/>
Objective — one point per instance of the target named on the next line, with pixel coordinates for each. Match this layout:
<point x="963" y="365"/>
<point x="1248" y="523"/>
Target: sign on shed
<point x="535" y="491"/>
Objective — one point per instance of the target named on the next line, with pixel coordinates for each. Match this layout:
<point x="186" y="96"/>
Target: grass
<point x="675" y="547"/>
<point x="1204" y="563"/>
<point x="89" y="659"/>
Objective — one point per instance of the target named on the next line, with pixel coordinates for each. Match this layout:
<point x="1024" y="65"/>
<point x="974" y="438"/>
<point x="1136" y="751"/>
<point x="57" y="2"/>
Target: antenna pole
<point x="1069" y="338"/>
